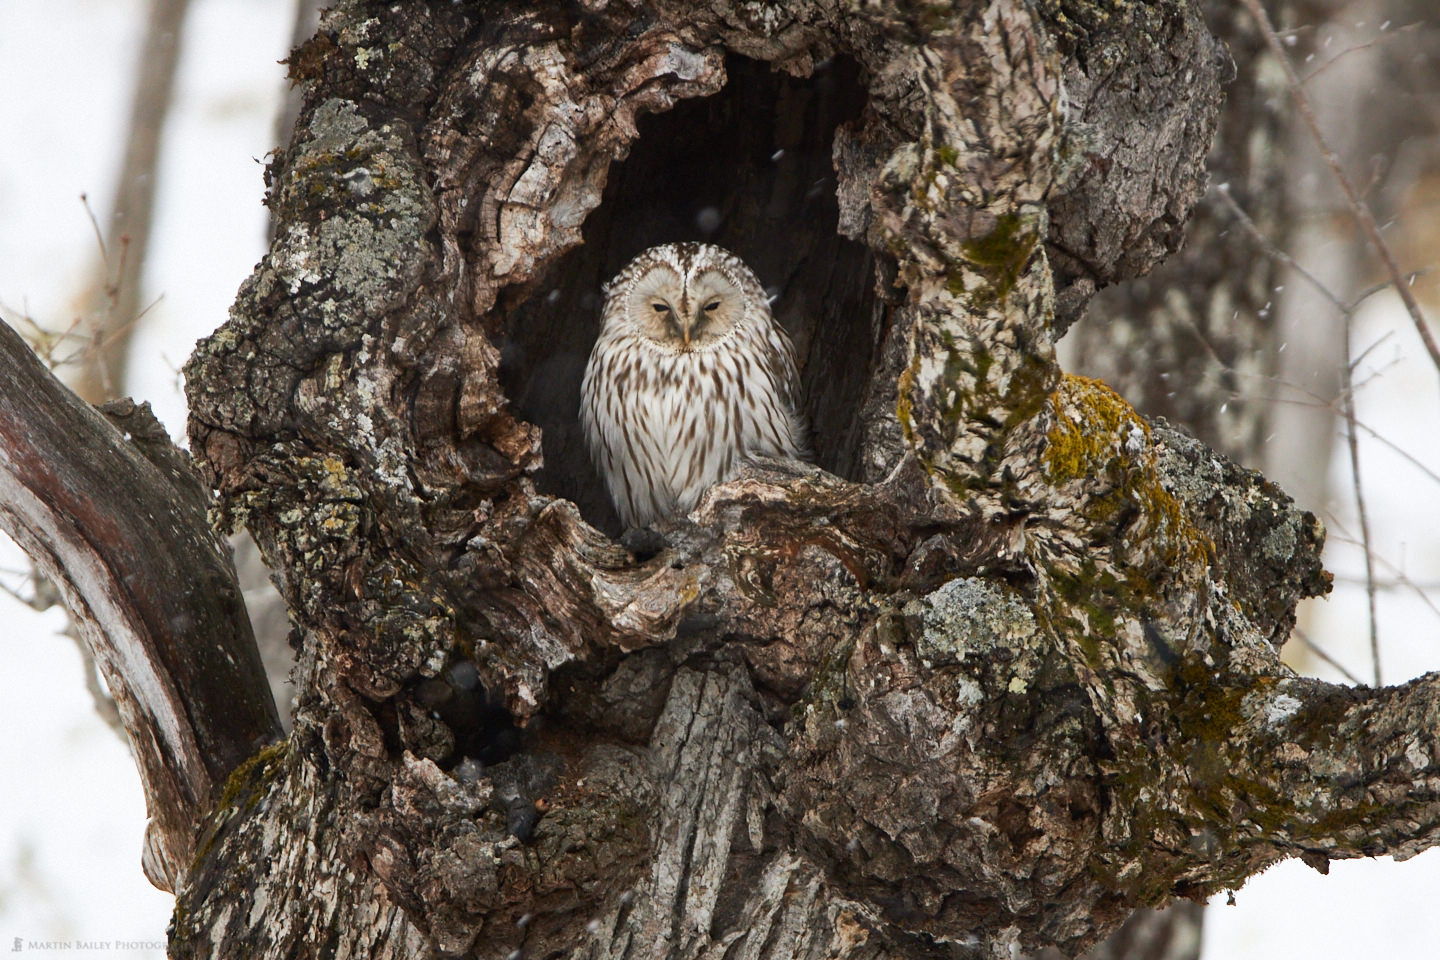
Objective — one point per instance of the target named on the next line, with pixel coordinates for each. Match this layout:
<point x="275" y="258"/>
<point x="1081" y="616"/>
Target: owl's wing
<point x="613" y="415"/>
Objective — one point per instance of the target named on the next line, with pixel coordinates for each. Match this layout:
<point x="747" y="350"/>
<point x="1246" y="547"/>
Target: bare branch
<point x="1319" y="651"/>
<point x="1400" y="578"/>
<point x="1223" y="191"/>
<point x="115" y="297"/>
<point x="1352" y="443"/>
<point x="117" y="520"/>
<point x="1358" y="209"/>
<point x="1001" y="668"/>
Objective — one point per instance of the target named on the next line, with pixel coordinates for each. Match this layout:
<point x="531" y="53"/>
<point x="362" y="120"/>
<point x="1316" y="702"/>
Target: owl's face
<point x="682" y="306"/>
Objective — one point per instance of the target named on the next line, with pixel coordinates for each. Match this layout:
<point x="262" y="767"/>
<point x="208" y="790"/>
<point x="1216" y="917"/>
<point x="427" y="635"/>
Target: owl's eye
<point x="660" y="308"/>
<point x="712" y="306"/>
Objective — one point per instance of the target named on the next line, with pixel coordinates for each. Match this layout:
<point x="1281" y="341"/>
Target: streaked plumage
<point x="690" y="375"/>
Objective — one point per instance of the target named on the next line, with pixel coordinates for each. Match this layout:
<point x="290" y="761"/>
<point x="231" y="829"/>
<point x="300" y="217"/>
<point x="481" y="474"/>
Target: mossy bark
<point x="997" y="672"/>
<point x="1189" y="339"/>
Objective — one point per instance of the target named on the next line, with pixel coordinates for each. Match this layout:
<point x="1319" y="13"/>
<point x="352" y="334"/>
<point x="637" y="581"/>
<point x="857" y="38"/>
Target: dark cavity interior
<point x="748" y="169"/>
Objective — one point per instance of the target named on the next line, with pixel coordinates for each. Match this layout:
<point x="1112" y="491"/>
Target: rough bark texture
<point x="1139" y="146"/>
<point x="1194" y="340"/>
<point x="998" y="671"/>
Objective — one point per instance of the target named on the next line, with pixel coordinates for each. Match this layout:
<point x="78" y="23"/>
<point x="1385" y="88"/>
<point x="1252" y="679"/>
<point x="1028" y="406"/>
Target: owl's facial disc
<point x="710" y="308"/>
<point x="652" y="305"/>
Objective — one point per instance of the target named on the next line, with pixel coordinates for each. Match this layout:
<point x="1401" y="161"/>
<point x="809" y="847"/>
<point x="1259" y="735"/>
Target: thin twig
<point x="1347" y="393"/>
<point x="1367" y="45"/>
<point x="1358" y="209"/>
<point x="1314" y="648"/>
<point x="1315" y="282"/>
<point x="1274" y="251"/>
<point x="1398" y="450"/>
<point x="1399" y="574"/>
<point x="16" y="595"/>
<point x="105" y="706"/>
<point x="1391" y="583"/>
<point x="99" y="234"/>
<point x="1384" y="285"/>
<point x="1374" y="374"/>
<point x="1352" y="441"/>
<point x="1339" y="305"/>
<point x="112" y="298"/>
<point x="1311" y="399"/>
<point x="1366" y="352"/>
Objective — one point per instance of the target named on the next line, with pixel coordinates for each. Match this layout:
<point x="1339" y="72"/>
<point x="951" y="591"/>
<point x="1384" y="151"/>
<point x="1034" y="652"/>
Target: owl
<point x="690" y="375"/>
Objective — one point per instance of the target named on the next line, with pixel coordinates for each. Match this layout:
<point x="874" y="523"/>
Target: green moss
<point x="955" y="282"/>
<point x="1085" y="614"/>
<point x="249" y="780"/>
<point x="244" y="787"/>
<point x="903" y="402"/>
<point x="972" y="386"/>
<point x="1002" y="255"/>
<point x="1177" y="784"/>
<point x="1208" y="787"/>
<point x="1098" y="438"/>
<point x="1029" y="389"/>
<point x="1077" y="447"/>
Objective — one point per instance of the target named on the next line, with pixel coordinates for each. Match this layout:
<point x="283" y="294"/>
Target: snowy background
<point x="71" y="809"/>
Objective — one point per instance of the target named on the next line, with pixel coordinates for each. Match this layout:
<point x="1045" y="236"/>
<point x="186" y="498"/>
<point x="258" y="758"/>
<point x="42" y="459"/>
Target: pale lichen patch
<point x="1280" y="709"/>
<point x="966" y="616"/>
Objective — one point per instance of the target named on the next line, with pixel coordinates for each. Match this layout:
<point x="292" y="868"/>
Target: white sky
<point x="71" y="810"/>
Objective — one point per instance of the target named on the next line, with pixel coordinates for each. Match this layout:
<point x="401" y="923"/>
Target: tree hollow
<point x="749" y="169"/>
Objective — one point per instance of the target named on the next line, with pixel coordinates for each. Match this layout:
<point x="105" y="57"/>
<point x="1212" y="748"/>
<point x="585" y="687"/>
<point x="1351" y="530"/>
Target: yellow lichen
<point x="1091" y="429"/>
<point x="903" y="403"/>
<point x="1140" y="539"/>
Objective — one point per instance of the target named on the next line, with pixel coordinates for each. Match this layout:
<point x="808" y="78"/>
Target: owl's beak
<point x="685" y="328"/>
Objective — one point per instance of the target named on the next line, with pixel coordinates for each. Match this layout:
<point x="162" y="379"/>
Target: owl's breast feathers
<point x="665" y="425"/>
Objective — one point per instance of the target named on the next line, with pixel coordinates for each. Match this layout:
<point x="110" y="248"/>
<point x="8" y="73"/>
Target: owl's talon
<point x="643" y="542"/>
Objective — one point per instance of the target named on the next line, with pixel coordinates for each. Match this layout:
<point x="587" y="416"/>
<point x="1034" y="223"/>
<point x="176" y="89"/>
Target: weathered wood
<point x="115" y="517"/>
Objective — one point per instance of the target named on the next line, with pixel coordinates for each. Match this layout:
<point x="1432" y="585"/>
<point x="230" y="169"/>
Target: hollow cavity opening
<point x="749" y="169"/>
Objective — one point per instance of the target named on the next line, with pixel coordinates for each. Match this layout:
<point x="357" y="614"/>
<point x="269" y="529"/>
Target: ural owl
<point x="690" y="375"/>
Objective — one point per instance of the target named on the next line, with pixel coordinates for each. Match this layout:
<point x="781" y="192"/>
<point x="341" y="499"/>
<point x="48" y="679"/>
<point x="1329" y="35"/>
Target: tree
<point x="1000" y="670"/>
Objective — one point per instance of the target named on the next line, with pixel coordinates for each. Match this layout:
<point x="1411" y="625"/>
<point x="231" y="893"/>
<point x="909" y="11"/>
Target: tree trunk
<point x="1195" y="341"/>
<point x="998" y="671"/>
